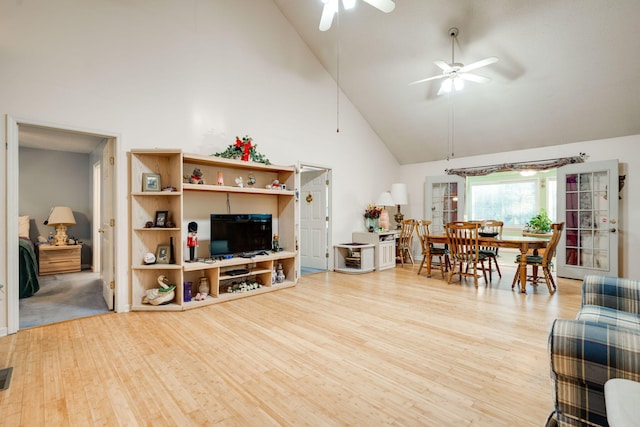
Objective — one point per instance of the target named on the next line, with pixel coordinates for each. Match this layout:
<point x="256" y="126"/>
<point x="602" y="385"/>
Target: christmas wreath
<point x="243" y="149"/>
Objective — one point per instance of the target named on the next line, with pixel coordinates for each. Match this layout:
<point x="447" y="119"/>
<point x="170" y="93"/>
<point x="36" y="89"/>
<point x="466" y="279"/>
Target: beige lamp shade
<point x="400" y="196"/>
<point x="61" y="217"/>
<point x="384" y="200"/>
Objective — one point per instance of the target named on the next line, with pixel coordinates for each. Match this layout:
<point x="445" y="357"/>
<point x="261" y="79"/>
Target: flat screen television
<point x="235" y="234"/>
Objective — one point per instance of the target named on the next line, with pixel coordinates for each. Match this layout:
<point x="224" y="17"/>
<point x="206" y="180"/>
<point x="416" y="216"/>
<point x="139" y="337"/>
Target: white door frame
<point x="96" y="264"/>
<point x="11" y="250"/>
<point x="328" y="171"/>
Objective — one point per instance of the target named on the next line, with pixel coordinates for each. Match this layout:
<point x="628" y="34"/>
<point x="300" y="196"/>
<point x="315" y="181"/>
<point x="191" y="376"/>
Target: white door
<point x="107" y="218"/>
<point x="588" y="205"/>
<point x="443" y="201"/>
<point x="313" y="218"/>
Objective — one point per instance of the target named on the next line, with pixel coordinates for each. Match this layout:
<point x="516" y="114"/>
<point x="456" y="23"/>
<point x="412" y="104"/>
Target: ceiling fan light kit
<point x="331" y="8"/>
<point x="455" y="73"/>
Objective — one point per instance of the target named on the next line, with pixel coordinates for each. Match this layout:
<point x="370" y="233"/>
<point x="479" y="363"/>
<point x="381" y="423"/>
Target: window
<point x="513" y="202"/>
<point x="552" y="191"/>
<point x="511" y="197"/>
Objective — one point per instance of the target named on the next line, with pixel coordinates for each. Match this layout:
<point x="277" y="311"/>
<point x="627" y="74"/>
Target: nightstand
<point x="58" y="259"/>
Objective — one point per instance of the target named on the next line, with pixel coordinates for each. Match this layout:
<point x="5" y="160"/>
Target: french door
<point x="588" y="205"/>
<point x="443" y="201"/>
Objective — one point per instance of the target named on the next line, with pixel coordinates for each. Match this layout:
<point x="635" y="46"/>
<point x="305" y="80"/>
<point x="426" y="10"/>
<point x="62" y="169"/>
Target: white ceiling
<point x="568" y="71"/>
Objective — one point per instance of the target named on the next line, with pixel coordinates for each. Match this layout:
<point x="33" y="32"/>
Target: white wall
<point x="625" y="149"/>
<point x="190" y="75"/>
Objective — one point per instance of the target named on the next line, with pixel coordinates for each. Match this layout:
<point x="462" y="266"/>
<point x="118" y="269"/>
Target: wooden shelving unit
<point x="195" y="202"/>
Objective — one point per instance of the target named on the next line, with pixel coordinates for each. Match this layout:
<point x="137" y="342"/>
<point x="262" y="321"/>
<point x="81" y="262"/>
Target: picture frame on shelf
<point x="162" y="254"/>
<point x="151" y="182"/>
<point x="161" y="219"/>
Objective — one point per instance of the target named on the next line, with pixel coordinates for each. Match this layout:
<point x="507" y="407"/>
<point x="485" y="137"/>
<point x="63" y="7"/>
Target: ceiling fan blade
<point x="328" y="12"/>
<point x="474" y="78"/>
<point x="444" y="66"/>
<point x="384" y="5"/>
<point x="478" y="64"/>
<point x="427" y="79"/>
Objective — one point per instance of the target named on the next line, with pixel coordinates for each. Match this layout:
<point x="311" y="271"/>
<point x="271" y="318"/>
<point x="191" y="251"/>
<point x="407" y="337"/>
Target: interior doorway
<point x="38" y="137"/>
<point x="315" y="220"/>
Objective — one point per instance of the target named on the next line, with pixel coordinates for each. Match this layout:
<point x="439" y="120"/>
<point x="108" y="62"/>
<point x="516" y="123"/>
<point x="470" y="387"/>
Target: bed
<point x="29" y="284"/>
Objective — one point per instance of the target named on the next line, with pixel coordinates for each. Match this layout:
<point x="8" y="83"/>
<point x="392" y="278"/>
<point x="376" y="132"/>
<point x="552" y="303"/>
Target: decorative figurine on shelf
<point x="275" y="243"/>
<point x="251" y="180"/>
<point x="274" y="276"/>
<point x="192" y="240"/>
<point x="162" y="295"/>
<point x="280" y="274"/>
<point x="239" y="182"/>
<point x="196" y="177"/>
<point x="220" y="179"/>
<point x="203" y="289"/>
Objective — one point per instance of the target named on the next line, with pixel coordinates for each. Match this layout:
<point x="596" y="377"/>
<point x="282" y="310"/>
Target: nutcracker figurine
<point x="192" y="240"/>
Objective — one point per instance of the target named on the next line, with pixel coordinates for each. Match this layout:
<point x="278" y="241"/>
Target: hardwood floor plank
<point x="385" y="348"/>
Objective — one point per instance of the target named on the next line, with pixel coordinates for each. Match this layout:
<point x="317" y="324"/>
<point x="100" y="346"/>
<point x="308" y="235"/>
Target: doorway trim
<point x="12" y="177"/>
<point x="315" y="167"/>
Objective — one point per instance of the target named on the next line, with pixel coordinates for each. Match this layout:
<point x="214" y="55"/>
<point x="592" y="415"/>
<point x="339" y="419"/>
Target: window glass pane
<point x="552" y="191"/>
<point x="512" y="202"/>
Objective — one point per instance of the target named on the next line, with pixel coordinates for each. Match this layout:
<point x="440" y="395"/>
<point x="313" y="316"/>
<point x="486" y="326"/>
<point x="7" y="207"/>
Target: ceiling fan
<point x="456" y="73"/>
<point x="331" y="8"/>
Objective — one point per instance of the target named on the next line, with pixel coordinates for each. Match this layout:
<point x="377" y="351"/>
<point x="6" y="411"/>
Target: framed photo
<point x="162" y="254"/>
<point x="151" y="182"/>
<point x="161" y="219"/>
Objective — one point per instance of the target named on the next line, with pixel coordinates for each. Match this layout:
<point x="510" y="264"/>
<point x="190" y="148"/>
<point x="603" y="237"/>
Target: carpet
<point x="63" y="297"/>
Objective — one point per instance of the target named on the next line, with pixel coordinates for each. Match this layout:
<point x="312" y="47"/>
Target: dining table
<point x="523" y="243"/>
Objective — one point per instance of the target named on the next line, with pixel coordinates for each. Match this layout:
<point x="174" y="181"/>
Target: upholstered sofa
<point x="602" y="342"/>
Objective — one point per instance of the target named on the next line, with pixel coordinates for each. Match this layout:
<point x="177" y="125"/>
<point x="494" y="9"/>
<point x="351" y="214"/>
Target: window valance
<point x="537" y="165"/>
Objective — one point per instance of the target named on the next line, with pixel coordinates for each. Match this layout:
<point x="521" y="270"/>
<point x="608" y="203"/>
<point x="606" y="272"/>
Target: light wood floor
<point x="385" y="348"/>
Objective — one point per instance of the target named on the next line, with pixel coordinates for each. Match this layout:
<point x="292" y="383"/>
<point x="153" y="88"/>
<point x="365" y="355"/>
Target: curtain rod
<point x="537" y="165"/>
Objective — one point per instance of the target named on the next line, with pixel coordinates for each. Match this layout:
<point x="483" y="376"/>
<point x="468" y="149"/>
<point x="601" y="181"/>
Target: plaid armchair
<point x="603" y="342"/>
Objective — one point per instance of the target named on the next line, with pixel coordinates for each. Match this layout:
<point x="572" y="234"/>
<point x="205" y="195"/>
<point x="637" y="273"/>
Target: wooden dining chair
<point x="491" y="228"/>
<point x="544" y="260"/>
<point x="464" y="250"/>
<point x="404" y="241"/>
<point x="429" y="250"/>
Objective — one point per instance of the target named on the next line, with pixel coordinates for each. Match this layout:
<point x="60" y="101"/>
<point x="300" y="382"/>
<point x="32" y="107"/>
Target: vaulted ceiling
<point x="568" y="71"/>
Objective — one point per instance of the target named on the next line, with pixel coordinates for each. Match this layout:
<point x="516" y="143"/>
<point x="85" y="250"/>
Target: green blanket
<point x="28" y="270"/>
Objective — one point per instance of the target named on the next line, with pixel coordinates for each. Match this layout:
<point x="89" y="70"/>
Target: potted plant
<point x="540" y="223"/>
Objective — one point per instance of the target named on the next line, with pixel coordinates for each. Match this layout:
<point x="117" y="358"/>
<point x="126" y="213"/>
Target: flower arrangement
<point x="243" y="149"/>
<point x="372" y="211"/>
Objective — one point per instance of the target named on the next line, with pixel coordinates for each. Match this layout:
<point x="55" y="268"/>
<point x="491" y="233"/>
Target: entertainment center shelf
<point x="186" y="202"/>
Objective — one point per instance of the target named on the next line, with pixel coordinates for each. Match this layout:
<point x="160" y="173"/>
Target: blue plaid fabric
<point x="597" y="346"/>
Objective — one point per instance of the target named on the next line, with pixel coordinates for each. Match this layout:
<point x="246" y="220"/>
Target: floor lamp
<point x="400" y="196"/>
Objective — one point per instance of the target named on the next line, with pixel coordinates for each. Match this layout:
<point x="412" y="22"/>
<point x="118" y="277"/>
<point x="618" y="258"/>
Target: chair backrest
<point x="463" y="240"/>
<point x="422" y="229"/>
<point x="406" y="232"/>
<point x="492" y="226"/>
<point x="550" y="251"/>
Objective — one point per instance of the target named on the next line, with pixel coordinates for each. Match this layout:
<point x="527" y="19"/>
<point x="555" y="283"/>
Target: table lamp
<point x="61" y="217"/>
<point x="400" y="196"/>
<point x="385" y="199"/>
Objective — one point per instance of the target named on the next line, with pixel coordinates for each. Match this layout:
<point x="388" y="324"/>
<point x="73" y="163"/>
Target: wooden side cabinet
<point x="59" y="259"/>
<point x="385" y="246"/>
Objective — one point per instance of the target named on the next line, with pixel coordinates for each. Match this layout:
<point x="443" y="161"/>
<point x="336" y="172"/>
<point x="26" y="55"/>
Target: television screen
<point x="235" y="234"/>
